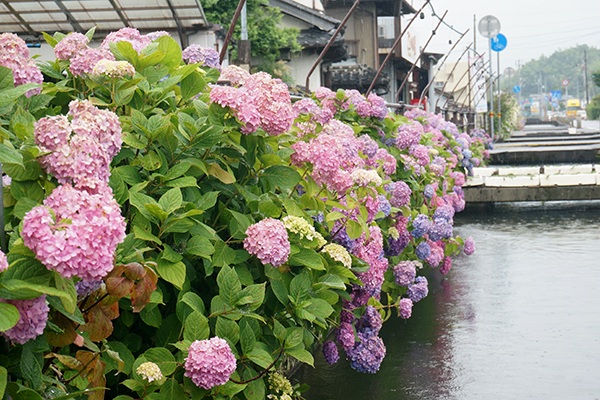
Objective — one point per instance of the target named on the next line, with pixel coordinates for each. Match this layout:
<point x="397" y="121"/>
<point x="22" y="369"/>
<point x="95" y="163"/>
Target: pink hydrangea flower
<point x="374" y="106"/>
<point x="446" y="265"/>
<point x="80" y="151"/>
<point x="408" y="135"/>
<point x="71" y="45"/>
<point x="75" y="233"/>
<point x="12" y="45"/>
<point x="269" y="241"/>
<point x="33" y="315"/>
<point x="131" y="35"/>
<point x="236" y="75"/>
<point x="156" y="34"/>
<point x="436" y="256"/>
<point x="209" y="363"/>
<point x="421" y="153"/>
<point x="469" y="247"/>
<point x="15" y="55"/>
<point x="3" y="262"/>
<point x="84" y="62"/>
<point x="261" y="102"/>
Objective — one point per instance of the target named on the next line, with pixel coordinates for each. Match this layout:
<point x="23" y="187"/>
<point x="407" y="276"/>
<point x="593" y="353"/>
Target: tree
<point x="266" y="37"/>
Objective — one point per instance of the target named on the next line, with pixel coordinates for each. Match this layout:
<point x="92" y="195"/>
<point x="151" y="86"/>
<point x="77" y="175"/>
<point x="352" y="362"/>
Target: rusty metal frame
<point x="180" y="28"/>
<point x="18" y="16"/>
<point x="119" y="13"/>
<point x="70" y="19"/>
<point x="393" y="48"/>
<point x="234" y="20"/>
<point x="420" y="55"/>
<point x="329" y="43"/>
<point x="441" y="64"/>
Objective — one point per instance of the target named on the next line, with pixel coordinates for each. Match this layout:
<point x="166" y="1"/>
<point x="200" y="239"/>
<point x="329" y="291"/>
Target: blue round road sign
<point x="498" y="42"/>
<point x="516" y="88"/>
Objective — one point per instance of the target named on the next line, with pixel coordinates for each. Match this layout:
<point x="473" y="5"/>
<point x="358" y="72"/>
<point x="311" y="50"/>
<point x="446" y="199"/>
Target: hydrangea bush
<point x="169" y="237"/>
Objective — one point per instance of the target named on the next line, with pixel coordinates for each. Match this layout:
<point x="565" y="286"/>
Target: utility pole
<point x="585" y="80"/>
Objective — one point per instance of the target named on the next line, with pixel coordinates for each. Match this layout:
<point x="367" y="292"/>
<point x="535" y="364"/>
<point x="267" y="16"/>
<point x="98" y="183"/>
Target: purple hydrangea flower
<point x="33" y="315"/>
<point x="418" y="290"/>
<point x="440" y="229"/>
<point x="330" y="352"/>
<point x="345" y="335"/>
<point x="367" y="355"/>
<point x="405" y="308"/>
<point x="370" y="322"/>
<point x="384" y="205"/>
<point x="428" y="192"/>
<point x="395" y="246"/>
<point x="423" y="250"/>
<point x="444" y="212"/>
<point x="3" y="262"/>
<point x="469" y="246"/>
<point x="194" y="54"/>
<point x="209" y="363"/>
<point x="400" y="193"/>
<point x="85" y="288"/>
<point x="405" y="273"/>
<point x="421" y="225"/>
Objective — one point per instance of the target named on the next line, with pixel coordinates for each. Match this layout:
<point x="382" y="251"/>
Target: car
<point x="582" y="114"/>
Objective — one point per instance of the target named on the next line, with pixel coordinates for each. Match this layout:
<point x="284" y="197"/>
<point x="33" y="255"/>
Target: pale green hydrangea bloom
<point x="338" y="253"/>
<point x="301" y="227"/>
<point x="393" y="233"/>
<point x="113" y="69"/>
<point x="149" y="371"/>
<point x="281" y="386"/>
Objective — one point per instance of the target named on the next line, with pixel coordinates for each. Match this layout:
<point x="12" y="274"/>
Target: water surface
<point x="519" y="319"/>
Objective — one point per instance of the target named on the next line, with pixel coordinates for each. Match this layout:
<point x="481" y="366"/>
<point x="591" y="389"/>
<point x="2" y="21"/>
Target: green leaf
<point x="10" y="155"/>
<point x="251" y="297"/>
<point x="223" y="255"/>
<point x="299" y="288"/>
<point x="151" y="161"/>
<point x="169" y="331"/>
<point x="191" y="300"/>
<point x="333" y="281"/>
<point x="172" y="272"/>
<point x="260" y="357"/>
<point x="31" y="366"/>
<point x="18" y="392"/>
<point x="229" y="285"/>
<point x="294" y="337"/>
<point x="191" y="85"/>
<point x="215" y="170"/>
<point x="200" y="246"/>
<point x="354" y="229"/>
<point x="302" y="355"/>
<point x="141" y="233"/>
<point x="207" y="201"/>
<point x="171" y="200"/>
<point x="23" y="206"/>
<point x="3" y="379"/>
<point x="281" y="291"/>
<point x="172" y="390"/>
<point x="138" y="200"/>
<point x="282" y="176"/>
<point x="228" y="329"/>
<point x="7" y="80"/>
<point x="151" y="316"/>
<point x="129" y="174"/>
<point x="30" y="189"/>
<point x="133" y="140"/>
<point x="308" y="258"/>
<point x="319" y="308"/>
<point x="196" y="327"/>
<point x="9" y="316"/>
<point x="255" y="389"/>
<point x="247" y="339"/>
<point x="163" y="358"/>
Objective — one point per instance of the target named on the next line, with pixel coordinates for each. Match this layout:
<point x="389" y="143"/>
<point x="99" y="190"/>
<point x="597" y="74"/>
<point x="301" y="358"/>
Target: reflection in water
<point x="518" y="319"/>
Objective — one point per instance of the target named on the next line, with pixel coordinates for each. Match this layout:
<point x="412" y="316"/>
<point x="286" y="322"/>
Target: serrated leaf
<point x="308" y="258"/>
<point x="215" y="170"/>
<point x="171" y="200"/>
<point x="172" y="272"/>
<point x="196" y="327"/>
<point x="200" y="246"/>
<point x="163" y="358"/>
<point x="302" y="355"/>
<point x="9" y="316"/>
<point x="282" y="176"/>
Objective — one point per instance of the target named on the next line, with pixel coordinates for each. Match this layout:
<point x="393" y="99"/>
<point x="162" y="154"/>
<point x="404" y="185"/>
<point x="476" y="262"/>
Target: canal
<point x="519" y="319"/>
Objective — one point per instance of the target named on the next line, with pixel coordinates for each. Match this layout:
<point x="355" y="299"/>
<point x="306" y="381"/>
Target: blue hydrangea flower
<point x="418" y="290"/>
<point x="428" y="192"/>
<point x="421" y="225"/>
<point x="423" y="250"/>
<point x="367" y="355"/>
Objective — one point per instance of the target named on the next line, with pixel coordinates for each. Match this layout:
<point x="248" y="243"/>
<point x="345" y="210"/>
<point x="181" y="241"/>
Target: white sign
<point x="478" y="86"/>
<point x="410" y="44"/>
<point x="565" y="82"/>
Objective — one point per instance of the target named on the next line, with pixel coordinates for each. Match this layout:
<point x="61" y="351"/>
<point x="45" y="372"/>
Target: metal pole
<point x="393" y="48"/>
<point x="441" y="64"/>
<point x="234" y="20"/>
<point x="328" y="45"/>
<point x="486" y="81"/>
<point x="499" y="92"/>
<point x="420" y="55"/>
<point x="492" y="86"/>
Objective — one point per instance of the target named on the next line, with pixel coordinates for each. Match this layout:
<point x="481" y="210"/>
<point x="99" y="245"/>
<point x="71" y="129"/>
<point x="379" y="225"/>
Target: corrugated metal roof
<point x="31" y="17"/>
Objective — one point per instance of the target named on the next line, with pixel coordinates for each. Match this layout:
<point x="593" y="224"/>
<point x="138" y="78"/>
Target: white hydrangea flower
<point x="363" y="177"/>
<point x="301" y="227"/>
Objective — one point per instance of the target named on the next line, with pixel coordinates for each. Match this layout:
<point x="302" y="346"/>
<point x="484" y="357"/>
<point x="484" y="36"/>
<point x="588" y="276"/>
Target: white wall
<point x="300" y="66"/>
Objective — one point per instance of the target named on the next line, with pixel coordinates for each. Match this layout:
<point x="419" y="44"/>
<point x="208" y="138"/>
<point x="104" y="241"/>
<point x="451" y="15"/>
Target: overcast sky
<point x="532" y="27"/>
